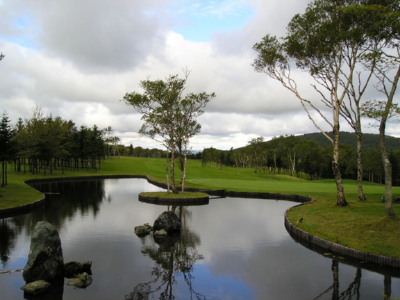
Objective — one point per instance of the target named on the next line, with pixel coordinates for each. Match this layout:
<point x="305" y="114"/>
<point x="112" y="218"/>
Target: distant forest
<point x="309" y="156"/>
<point x="370" y="141"/>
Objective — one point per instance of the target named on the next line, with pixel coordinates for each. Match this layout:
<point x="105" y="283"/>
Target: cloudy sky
<point x="77" y="59"/>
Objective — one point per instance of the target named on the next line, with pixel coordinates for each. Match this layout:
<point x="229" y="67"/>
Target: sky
<point x="77" y="59"/>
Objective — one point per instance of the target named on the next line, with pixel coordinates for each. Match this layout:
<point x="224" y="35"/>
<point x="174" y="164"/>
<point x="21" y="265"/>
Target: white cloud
<point x="78" y="59"/>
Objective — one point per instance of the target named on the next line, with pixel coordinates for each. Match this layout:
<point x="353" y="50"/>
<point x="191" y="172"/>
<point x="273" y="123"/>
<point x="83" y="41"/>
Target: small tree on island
<point x="169" y="118"/>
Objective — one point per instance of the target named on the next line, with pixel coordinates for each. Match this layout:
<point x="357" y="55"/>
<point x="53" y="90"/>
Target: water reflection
<point x="7" y="240"/>
<point x="67" y="199"/>
<point x="352" y="292"/>
<point x="172" y="255"/>
<point x="230" y="249"/>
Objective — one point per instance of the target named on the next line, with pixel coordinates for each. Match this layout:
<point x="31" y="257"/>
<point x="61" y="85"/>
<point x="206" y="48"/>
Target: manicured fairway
<point x="295" y="187"/>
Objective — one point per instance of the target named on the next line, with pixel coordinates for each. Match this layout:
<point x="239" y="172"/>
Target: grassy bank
<point x="362" y="225"/>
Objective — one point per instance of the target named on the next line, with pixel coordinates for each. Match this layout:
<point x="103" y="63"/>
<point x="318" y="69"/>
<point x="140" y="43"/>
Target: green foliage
<point x="271" y="55"/>
<point x="7" y="139"/>
<point x="7" y="146"/>
<point x="376" y="110"/>
<point x="309" y="155"/>
<point x="370" y="141"/>
<point x="165" y="112"/>
<point x="48" y="142"/>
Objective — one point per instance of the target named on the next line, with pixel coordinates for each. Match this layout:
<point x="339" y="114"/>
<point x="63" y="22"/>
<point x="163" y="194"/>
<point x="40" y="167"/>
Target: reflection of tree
<point x="7" y="240"/>
<point x="63" y="201"/>
<point x="172" y="255"/>
<point x="335" y="271"/>
<point x="387" y="282"/>
<point x="353" y="289"/>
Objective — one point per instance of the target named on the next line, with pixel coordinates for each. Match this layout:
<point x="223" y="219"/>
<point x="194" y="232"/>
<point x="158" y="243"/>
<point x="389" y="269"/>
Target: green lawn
<point x="362" y="225"/>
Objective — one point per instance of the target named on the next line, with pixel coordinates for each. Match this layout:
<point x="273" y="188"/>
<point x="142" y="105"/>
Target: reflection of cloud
<point x="250" y="245"/>
<point x="221" y="287"/>
<point x="233" y="224"/>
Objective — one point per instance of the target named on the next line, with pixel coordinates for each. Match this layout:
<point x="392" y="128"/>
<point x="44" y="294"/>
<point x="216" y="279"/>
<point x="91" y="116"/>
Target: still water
<point x="231" y="248"/>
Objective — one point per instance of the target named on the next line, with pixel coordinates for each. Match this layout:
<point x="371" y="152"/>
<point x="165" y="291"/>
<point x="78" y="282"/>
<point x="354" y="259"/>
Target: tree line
<point x="307" y="159"/>
<point x="44" y="143"/>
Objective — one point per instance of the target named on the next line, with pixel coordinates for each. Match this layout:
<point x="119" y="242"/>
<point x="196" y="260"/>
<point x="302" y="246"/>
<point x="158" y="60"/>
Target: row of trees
<point x="344" y="45"/>
<point x="302" y="158"/>
<point x="153" y="152"/>
<point x="44" y="143"/>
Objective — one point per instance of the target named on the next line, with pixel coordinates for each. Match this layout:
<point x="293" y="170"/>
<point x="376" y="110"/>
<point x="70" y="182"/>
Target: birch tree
<point x="385" y="33"/>
<point x="329" y="47"/>
<point x="189" y="109"/>
<point x="168" y="117"/>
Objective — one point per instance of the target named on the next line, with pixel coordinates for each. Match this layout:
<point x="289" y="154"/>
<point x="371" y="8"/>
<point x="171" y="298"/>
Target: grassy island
<point x="362" y="226"/>
<point x="184" y="195"/>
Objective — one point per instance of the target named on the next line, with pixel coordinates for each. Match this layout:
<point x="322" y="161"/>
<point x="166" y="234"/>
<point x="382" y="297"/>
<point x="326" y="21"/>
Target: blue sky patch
<point x="219" y="287"/>
<point x="197" y="21"/>
<point x="25" y="25"/>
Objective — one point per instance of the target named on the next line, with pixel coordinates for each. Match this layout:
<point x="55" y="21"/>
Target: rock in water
<point x="73" y="268"/>
<point x="143" y="230"/>
<point x="45" y="260"/>
<point x="36" y="287"/>
<point x="81" y="281"/>
<point x="168" y="221"/>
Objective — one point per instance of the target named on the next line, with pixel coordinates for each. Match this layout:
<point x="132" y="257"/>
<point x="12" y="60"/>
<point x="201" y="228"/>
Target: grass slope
<point x="362" y="225"/>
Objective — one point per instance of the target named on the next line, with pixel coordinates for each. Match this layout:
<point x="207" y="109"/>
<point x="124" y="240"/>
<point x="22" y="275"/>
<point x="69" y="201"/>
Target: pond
<point x="232" y="248"/>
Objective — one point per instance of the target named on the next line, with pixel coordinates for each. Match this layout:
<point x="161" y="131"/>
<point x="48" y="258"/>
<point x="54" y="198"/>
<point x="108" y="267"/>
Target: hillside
<point x="369" y="140"/>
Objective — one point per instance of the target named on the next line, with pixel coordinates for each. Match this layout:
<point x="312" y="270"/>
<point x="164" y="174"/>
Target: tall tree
<point x="289" y="149"/>
<point x="161" y="106"/>
<point x="385" y="32"/>
<point x="256" y="149"/>
<point x="383" y="111"/>
<point x="329" y="47"/>
<point x="188" y="110"/>
<point x="7" y="148"/>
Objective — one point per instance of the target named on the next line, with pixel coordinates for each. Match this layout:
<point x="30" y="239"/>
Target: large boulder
<point x="45" y="260"/>
<point x="168" y="221"/>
